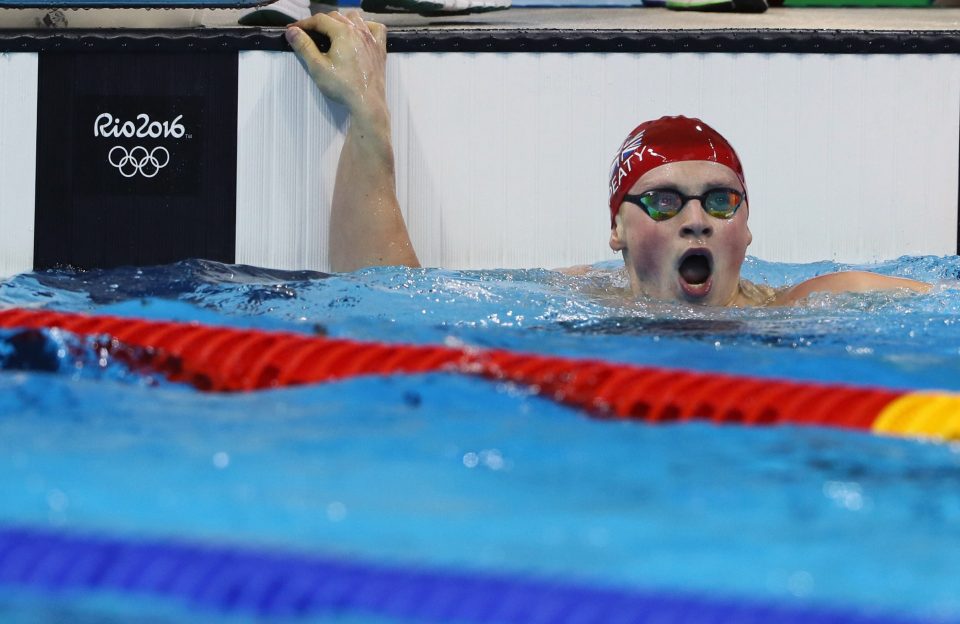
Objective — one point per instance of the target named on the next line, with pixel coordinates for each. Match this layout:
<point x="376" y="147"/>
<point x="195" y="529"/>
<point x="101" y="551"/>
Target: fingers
<point x="340" y="17"/>
<point x="322" y="23"/>
<point x="333" y="23"/>
<point x="326" y="24"/>
<point x="354" y="17"/>
<point x="354" y="64"/>
<point x="304" y="47"/>
<point x="379" y="32"/>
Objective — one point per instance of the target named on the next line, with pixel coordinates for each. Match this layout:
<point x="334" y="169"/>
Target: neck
<point x="636" y="286"/>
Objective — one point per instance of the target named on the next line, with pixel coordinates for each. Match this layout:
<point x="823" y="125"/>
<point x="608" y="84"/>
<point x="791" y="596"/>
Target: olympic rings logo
<point x="138" y="160"/>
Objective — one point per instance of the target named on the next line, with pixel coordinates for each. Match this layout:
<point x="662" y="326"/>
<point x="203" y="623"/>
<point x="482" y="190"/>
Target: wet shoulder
<point x="758" y="294"/>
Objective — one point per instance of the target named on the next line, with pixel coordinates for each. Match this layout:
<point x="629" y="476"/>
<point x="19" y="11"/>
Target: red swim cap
<point x="662" y="141"/>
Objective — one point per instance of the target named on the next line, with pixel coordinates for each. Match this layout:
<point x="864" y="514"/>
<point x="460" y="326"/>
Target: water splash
<point x="890" y="338"/>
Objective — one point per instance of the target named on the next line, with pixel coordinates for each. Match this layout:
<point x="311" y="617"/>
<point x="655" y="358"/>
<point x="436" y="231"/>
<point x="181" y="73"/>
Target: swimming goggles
<point x="663" y="204"/>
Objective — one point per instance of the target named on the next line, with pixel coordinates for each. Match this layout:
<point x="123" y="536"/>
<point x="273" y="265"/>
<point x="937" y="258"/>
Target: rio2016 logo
<point x="106" y="125"/>
<point x="138" y="160"/>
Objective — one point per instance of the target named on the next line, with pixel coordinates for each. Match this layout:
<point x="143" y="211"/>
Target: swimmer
<point x="679" y="210"/>
<point x="678" y="199"/>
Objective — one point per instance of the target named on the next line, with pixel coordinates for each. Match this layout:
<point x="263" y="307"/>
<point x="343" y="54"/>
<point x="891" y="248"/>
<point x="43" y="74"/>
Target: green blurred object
<point x="857" y="3"/>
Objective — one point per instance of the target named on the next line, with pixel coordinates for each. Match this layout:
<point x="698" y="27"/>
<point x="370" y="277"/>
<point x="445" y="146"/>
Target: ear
<point x="617" y="239"/>
<point x="749" y="233"/>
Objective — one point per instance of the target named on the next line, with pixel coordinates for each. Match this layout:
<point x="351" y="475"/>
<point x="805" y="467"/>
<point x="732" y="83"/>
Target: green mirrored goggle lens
<point x="661" y="205"/>
<point x="721" y="203"/>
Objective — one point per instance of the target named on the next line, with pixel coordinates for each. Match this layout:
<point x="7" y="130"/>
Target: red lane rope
<point x="224" y="359"/>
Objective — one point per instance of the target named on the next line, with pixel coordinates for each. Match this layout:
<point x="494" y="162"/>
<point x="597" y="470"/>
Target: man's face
<point x="693" y="256"/>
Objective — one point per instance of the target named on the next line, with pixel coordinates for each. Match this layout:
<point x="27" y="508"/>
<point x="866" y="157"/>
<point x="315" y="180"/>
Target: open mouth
<point x="696" y="267"/>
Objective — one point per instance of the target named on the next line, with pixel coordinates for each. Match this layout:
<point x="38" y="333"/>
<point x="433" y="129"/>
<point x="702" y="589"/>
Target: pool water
<point x="449" y="472"/>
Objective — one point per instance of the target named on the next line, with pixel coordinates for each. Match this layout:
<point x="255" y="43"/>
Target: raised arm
<point x="366" y="225"/>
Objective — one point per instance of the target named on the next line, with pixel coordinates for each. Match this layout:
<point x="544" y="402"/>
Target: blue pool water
<point x="458" y="473"/>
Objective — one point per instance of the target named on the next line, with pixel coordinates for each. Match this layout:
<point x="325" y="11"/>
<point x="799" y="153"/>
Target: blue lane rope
<point x="250" y="582"/>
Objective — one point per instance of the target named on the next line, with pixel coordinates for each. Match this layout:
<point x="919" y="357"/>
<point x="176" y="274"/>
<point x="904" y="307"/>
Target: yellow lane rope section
<point x="921" y="415"/>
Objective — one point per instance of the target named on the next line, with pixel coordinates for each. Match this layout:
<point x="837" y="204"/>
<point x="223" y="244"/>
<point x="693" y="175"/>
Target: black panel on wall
<point x="136" y="158"/>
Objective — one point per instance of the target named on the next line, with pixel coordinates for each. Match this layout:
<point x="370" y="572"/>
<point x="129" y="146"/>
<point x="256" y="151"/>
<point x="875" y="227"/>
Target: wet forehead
<point x="690" y="177"/>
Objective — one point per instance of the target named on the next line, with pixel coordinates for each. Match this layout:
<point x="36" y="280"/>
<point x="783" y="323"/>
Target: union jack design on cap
<point x="662" y="141"/>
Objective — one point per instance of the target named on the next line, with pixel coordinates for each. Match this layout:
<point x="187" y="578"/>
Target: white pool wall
<point x="18" y="149"/>
<point x="502" y="159"/>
